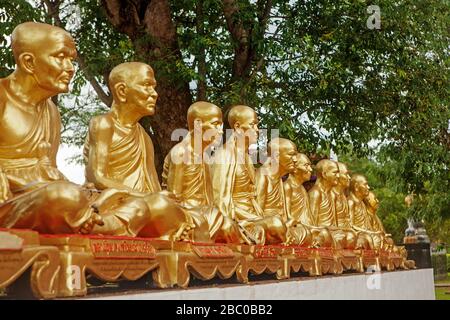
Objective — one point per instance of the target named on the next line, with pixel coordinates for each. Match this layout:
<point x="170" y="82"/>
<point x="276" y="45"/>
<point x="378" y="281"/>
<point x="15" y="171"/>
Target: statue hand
<point x="91" y="222"/>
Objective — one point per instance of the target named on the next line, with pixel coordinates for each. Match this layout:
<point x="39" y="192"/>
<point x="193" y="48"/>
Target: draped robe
<point x="36" y="200"/>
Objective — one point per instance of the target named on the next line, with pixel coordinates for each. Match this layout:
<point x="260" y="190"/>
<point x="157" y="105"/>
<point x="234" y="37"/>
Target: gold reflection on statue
<point x="270" y="190"/>
<point x="233" y="179"/>
<point x="30" y="125"/>
<point x="323" y="204"/>
<point x="119" y="155"/>
<point x="372" y="204"/>
<point x="187" y="173"/>
<point x="359" y="215"/>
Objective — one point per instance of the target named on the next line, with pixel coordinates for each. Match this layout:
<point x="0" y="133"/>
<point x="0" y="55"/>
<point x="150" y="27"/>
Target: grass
<point x="440" y="292"/>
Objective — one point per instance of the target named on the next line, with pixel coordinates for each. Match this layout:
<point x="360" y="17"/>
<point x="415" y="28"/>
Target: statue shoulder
<point x="101" y="123"/>
<point x="314" y="191"/>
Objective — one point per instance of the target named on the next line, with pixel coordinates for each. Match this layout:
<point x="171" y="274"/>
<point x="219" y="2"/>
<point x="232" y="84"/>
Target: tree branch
<point x="53" y="11"/>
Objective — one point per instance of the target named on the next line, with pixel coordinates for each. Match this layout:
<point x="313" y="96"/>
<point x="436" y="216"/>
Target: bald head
<point x="240" y="114"/>
<point x="325" y="165"/>
<point x="359" y="186"/>
<point x="32" y="37"/>
<point x="204" y="111"/>
<point x="129" y="73"/>
<point x="280" y="144"/>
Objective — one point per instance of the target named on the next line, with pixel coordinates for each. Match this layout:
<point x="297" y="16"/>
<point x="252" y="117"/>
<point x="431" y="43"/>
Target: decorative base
<point x="61" y="263"/>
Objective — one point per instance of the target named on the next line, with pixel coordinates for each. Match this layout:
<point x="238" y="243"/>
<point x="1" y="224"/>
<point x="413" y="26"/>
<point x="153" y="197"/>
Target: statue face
<point x="303" y="168"/>
<point x="141" y="90"/>
<point x="288" y="157"/>
<point x="212" y="127"/>
<point x="249" y="127"/>
<point x="53" y="68"/>
<point x="373" y="200"/>
<point x="344" y="176"/>
<point x="362" y="187"/>
<point x="331" y="173"/>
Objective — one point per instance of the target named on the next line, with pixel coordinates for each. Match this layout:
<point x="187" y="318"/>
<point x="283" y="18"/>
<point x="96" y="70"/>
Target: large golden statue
<point x="187" y="173"/>
<point x="119" y="155"/>
<point x="233" y="179"/>
<point x="41" y="199"/>
<point x="270" y="190"/>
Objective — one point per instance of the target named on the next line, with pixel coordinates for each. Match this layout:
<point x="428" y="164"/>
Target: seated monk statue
<point x="233" y="179"/>
<point x="323" y="204"/>
<point x="187" y="173"/>
<point x="372" y="204"/>
<point x="359" y="215"/>
<point x="119" y="155"/>
<point x="270" y="190"/>
<point x="297" y="201"/>
<point x="41" y="198"/>
<point x="359" y="240"/>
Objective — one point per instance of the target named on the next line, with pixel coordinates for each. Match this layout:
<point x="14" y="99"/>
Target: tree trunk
<point x="150" y="27"/>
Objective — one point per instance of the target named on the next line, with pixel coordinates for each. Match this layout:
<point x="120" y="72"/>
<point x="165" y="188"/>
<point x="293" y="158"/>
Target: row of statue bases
<point x="216" y="216"/>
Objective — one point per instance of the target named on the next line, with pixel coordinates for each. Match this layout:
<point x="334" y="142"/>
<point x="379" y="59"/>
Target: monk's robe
<point x="324" y="213"/>
<point x="233" y="181"/>
<point x="187" y="175"/>
<point x="272" y="200"/>
<point x="40" y="199"/>
<point x="361" y="222"/>
<point x="299" y="209"/>
<point x="130" y="159"/>
<point x="234" y="192"/>
<point x="378" y="227"/>
<point x="136" y="206"/>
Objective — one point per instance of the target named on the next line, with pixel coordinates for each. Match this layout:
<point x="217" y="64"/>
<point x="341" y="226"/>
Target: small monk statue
<point x="270" y="190"/>
<point x="119" y="155"/>
<point x="41" y="198"/>
<point x="323" y="204"/>
<point x="187" y="172"/>
<point x="352" y="239"/>
<point x="359" y="215"/>
<point x="233" y="179"/>
<point x="372" y="204"/>
<point x="297" y="201"/>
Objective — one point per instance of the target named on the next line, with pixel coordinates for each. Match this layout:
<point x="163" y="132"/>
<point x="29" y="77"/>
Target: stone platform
<point x="401" y="285"/>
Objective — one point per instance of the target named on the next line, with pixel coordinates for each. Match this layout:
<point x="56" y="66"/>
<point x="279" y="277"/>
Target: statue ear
<point x="237" y="125"/>
<point x="26" y="62"/>
<point x="120" y="89"/>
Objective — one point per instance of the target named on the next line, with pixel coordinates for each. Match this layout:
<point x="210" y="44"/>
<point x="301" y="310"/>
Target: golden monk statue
<point x="119" y="155"/>
<point x="297" y="201"/>
<point x="270" y="190"/>
<point x="353" y="239"/>
<point x="233" y="179"/>
<point x="323" y="204"/>
<point x="359" y="215"/>
<point x="372" y="204"/>
<point x="41" y="199"/>
<point x="187" y="173"/>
